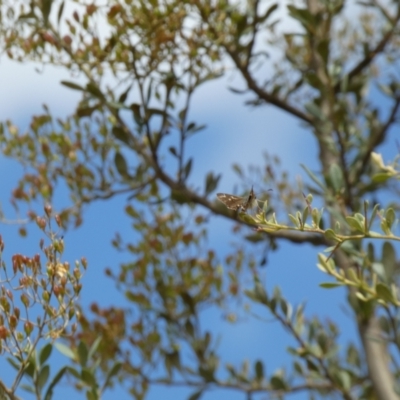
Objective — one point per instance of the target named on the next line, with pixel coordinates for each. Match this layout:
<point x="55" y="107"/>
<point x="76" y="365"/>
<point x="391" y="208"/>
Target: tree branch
<point x="263" y="94"/>
<point x="377" y="139"/>
<point x="372" y="54"/>
<point x="377" y="359"/>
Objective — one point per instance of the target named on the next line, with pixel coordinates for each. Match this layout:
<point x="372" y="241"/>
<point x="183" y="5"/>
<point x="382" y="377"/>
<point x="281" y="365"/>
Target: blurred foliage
<point x="139" y="64"/>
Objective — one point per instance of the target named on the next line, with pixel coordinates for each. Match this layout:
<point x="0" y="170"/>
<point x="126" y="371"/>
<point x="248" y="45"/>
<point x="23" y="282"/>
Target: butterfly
<point x="237" y="203"/>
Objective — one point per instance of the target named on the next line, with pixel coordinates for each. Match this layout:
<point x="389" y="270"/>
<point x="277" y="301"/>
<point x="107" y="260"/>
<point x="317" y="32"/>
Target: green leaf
<point x="136" y="110"/>
<point x="45" y="353"/>
<point x="207" y="374"/>
<point x="60" y="11"/>
<point x="30" y="368"/>
<point x="88" y="377"/>
<point x="14" y="363"/>
<point x="53" y="383"/>
<point x="211" y="182"/>
<point x="381" y="177"/>
<point x="63" y="349"/>
<point x="305" y="214"/>
<point x="255" y="237"/>
<point x="390" y="217"/>
<point x="269" y="12"/>
<point x="186" y="170"/>
<point x="294" y="220"/>
<point x="373" y="216"/>
<point x="336" y="177"/>
<point x="93" y="89"/>
<point x="384" y="293"/>
<point x="121" y="165"/>
<point x="195" y="395"/>
<point x="121" y="134"/>
<point x="286" y="308"/>
<point x="174" y="359"/>
<point x="304" y="16"/>
<point x="277" y="383"/>
<point x="316" y="217"/>
<point x="74" y="372"/>
<point x="124" y="95"/>
<point x="323" y="49"/>
<point x="94" y="347"/>
<point x="113" y="371"/>
<point x="355" y="224"/>
<point x="246" y="218"/>
<point x="344" y="379"/>
<point x="82" y="112"/>
<point x="298" y="368"/>
<point x="82" y="354"/>
<point x="259" y="370"/>
<point x="28" y="388"/>
<point x="91" y="394"/>
<point x="179" y="197"/>
<point x="389" y="260"/>
<point x="43" y="376"/>
<point x="315" y="111"/>
<point x="173" y="151"/>
<point x="192" y="128"/>
<point x="331" y="235"/>
<point x="385" y="227"/>
<point x="330" y="285"/>
<point x="46" y="8"/>
<point x="313" y="177"/>
<point x="72" y="85"/>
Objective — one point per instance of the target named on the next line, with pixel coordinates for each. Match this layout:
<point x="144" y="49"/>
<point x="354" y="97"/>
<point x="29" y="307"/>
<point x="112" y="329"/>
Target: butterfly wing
<point x="251" y="199"/>
<point x="232" y="202"/>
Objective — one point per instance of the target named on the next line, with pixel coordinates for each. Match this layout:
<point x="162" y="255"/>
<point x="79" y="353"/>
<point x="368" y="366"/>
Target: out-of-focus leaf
<point x="259" y="370"/>
<point x="72" y="85"/>
<point x="121" y="165"/>
<point x="82" y="354"/>
<point x="45" y="353"/>
<point x="49" y="393"/>
<point x="43" y="376"/>
<point x="211" y="182"/>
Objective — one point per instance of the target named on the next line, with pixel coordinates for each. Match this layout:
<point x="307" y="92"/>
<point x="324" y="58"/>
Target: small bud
<point x="23" y="281"/>
<point x="77" y="288"/>
<point x="16" y="262"/>
<point x="28" y="328"/>
<point x="48" y="209"/>
<point x="4" y="333"/>
<point x="46" y="296"/>
<point x="56" y="290"/>
<point x="59" y="246"/>
<point x="77" y="273"/>
<point x="58" y="221"/>
<point x="67" y="40"/>
<point x="5" y="304"/>
<point x="84" y="262"/>
<point x="71" y="313"/>
<point x="25" y="300"/>
<point x="36" y="259"/>
<point x="32" y="216"/>
<point x="13" y="322"/>
<point x="41" y="223"/>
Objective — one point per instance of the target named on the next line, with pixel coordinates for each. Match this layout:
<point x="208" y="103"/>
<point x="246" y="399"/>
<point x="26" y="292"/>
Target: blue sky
<point x="234" y="134"/>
